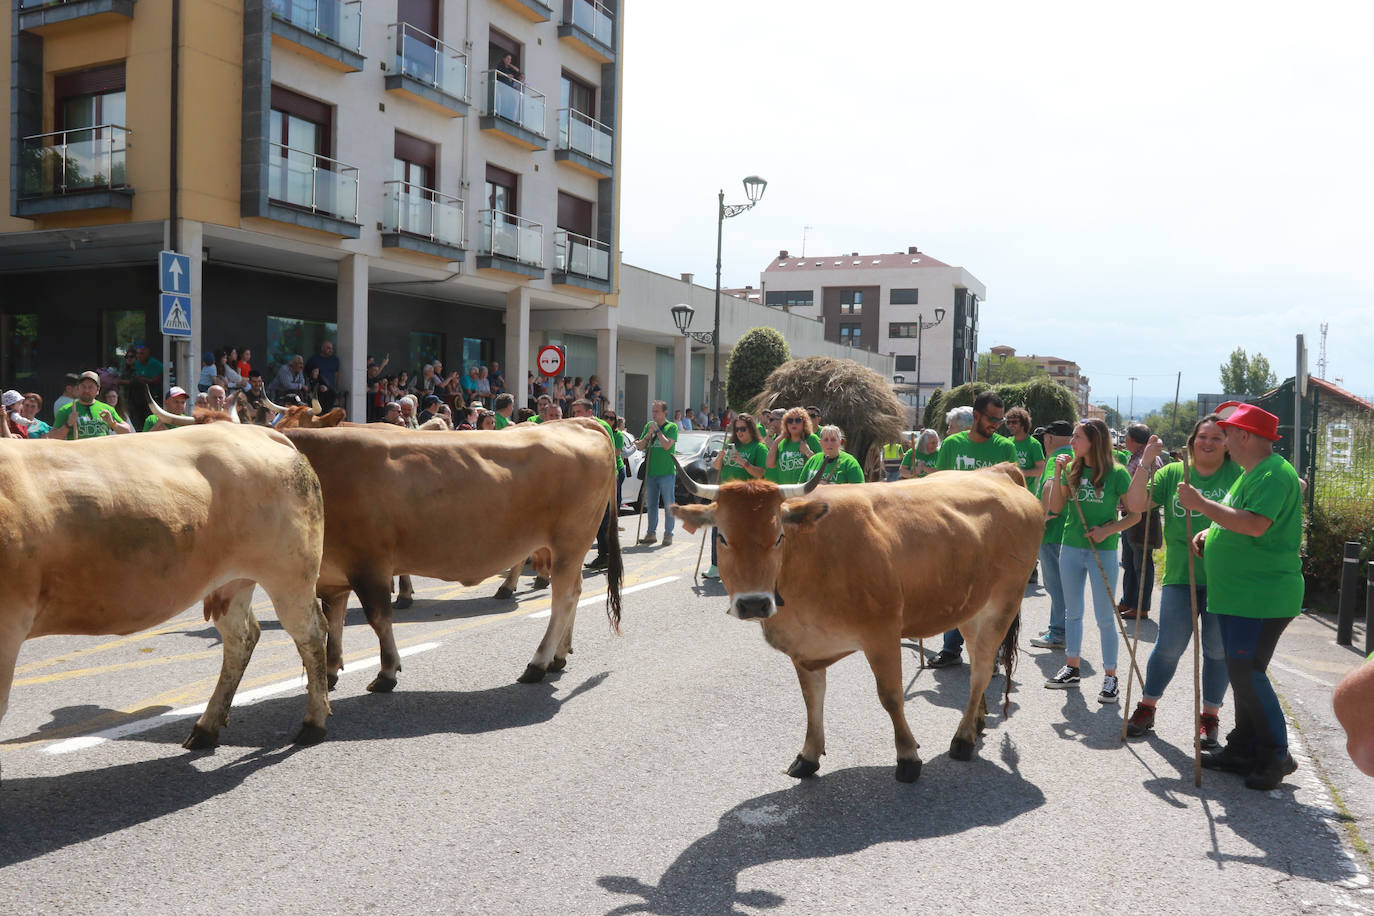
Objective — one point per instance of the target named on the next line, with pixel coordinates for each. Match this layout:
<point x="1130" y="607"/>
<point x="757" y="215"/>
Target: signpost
<point x="174" y="304"/>
<point x="175" y="315"/>
<point x="550" y="361"/>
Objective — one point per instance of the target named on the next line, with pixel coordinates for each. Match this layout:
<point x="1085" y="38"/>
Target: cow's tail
<point x="615" y="567"/>
<point x="1008" y="658"/>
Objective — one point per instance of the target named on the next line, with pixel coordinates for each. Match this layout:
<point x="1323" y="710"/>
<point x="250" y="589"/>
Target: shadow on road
<point x="834" y="814"/>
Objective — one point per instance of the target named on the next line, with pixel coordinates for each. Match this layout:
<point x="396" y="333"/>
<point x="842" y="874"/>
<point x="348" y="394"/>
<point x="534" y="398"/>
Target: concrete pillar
<point x="351" y="347"/>
<point x="188" y="359"/>
<point x="682" y="375"/>
<point x="518" y="344"/>
<point x="607" y="346"/>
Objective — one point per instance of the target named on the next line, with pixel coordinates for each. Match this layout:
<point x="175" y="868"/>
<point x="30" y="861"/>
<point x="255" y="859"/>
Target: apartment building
<point x="920" y="310"/>
<point x="1064" y="372"/>
<point x="408" y="178"/>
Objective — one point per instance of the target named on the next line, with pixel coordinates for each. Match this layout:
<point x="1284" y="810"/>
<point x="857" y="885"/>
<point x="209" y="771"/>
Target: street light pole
<point x="921" y="326"/>
<point x="1133" y="378"/>
<point x="754" y="186"/>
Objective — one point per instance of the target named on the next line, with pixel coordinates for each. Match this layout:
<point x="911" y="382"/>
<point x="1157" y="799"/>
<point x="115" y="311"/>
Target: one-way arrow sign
<point x="174" y="271"/>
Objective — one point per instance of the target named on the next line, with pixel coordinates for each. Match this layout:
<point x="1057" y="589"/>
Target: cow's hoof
<point x="332" y="679"/>
<point x="558" y="664"/>
<point x="533" y="675"/>
<point x="504" y="594"/>
<point x="382" y="683"/>
<point x="201" y="740"/>
<point x="540" y="582"/>
<point x="801" y="768"/>
<point x="310" y="734"/>
<point x="402" y="602"/>
<point x="908" y="770"/>
<point x="960" y="749"/>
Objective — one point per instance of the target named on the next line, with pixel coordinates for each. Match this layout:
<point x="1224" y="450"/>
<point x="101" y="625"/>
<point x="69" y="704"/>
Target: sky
<point x="1142" y="189"/>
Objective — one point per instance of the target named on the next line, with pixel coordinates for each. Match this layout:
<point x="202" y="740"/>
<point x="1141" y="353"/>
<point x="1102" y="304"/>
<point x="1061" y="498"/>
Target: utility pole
<point x="805" y="229"/>
<point x="1133" y="378"/>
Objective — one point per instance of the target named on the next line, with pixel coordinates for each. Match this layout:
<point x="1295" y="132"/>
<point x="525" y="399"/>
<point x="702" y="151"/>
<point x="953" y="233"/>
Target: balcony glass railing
<point x="312" y="182"/>
<point x="584" y="135"/>
<point x="423" y="57"/>
<point x="339" y="21"/>
<point x="506" y="235"/>
<point x="422" y="212"/>
<point x="579" y="256"/>
<point x="66" y="161"/>
<point x="589" y="16"/>
<point x="511" y="100"/>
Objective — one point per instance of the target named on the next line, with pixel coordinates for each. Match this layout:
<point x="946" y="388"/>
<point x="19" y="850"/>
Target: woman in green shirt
<point x="1097" y="484"/>
<point x="742" y="458"/>
<point x="920" y="460"/>
<point x="794" y="445"/>
<point x="833" y="464"/>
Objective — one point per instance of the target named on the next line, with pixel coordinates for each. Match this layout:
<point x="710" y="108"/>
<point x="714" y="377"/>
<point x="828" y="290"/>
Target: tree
<point x="1173" y="431"/>
<point x="755" y="355"/>
<point x="1246" y="375"/>
<point x="1015" y="369"/>
<point x="1114" y="418"/>
<point x="1045" y="401"/>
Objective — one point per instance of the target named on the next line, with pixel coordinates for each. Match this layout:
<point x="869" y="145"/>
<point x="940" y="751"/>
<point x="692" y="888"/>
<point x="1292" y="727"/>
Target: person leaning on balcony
<point x="508" y="68"/>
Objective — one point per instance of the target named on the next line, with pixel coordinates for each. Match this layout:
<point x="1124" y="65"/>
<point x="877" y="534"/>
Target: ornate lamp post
<point x="921" y="327"/>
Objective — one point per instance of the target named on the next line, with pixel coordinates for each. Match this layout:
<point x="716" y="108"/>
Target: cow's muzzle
<point x="753" y="606"/>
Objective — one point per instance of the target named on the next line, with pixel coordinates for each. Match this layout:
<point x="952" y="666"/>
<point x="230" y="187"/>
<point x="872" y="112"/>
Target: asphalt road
<point x="647" y="777"/>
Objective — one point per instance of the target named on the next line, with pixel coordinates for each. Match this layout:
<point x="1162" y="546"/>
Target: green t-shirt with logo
<point x="501" y="421"/>
<point x="844" y="469"/>
<point x="1258" y="577"/>
<point x="791" y="462"/>
<point x="88" y="422"/>
<point x="1029" y="453"/>
<point x="917" y="460"/>
<point x="616" y="443"/>
<point x="756" y="453"/>
<point x="1099" y="507"/>
<point x="660" y="461"/>
<point x="1054" y="525"/>
<point x="960" y="453"/>
<point x="1164" y="492"/>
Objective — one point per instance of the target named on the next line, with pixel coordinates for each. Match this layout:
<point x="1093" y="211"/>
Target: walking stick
<point x="1135" y="669"/>
<point x="1197" y="639"/>
<point x="644" y="485"/>
<point x="1139" y="609"/>
<point x="700" y="551"/>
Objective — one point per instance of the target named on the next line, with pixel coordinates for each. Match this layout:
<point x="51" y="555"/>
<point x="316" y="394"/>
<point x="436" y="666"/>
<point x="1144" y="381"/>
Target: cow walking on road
<point x="859" y="568"/>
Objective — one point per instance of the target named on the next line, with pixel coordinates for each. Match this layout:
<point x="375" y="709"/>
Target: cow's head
<point x="753" y="520"/>
<point x="302" y="417"/>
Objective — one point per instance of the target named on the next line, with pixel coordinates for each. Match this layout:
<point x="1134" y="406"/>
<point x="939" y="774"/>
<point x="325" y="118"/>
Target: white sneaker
<point x="711" y="573"/>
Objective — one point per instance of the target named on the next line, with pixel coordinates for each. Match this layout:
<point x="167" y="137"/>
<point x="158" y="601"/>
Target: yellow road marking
<point x="120" y="666"/>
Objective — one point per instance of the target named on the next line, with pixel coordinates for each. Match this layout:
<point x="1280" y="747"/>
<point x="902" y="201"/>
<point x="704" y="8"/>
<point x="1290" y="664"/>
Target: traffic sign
<point x="175" y="312"/>
<point x="174" y="272"/>
<point x="550" y="360"/>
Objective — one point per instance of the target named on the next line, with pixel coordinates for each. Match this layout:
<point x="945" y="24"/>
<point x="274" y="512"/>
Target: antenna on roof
<point x="805" y="229"/>
<point x="1321" y="354"/>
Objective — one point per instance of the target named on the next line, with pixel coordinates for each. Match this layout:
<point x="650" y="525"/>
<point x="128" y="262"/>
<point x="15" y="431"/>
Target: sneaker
<point x="712" y="572"/>
<point x="1208" y="730"/>
<point x="945" y="659"/>
<point x="1066" y="678"/>
<point x="1108" y="694"/>
<point x="1142" y="720"/>
<point x="1046" y="641"/>
<point x="667" y="539"/>
<point x="649" y="538"/>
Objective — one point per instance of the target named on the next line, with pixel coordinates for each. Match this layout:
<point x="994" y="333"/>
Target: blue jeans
<point x="1076" y="566"/>
<point x="660" y="488"/>
<point x="1131" y="557"/>
<point x="1175" y="632"/>
<point x="1260" y="726"/>
<point x="1054" y="586"/>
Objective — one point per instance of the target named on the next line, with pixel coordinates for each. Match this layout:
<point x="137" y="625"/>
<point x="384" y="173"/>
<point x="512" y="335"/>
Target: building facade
<point x="1065" y="373"/>
<point x="917" y="309"/>
<point x="418" y="179"/>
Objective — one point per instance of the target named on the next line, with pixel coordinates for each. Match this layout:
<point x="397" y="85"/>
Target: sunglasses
<point x="794" y="420"/>
<point x="741" y="429"/>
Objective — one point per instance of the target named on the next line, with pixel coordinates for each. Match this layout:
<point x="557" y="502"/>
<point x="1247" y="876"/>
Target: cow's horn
<point x="170" y="419"/>
<point x="233" y="406"/>
<point x="275" y="408"/>
<point x="315" y="408"/>
<point x="793" y="490"/>
<point x="699" y="490"/>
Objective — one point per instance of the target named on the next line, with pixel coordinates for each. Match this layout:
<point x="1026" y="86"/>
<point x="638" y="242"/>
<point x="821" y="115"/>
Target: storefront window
<point x="287" y="337"/>
<point x="425" y="347"/>
<point x="119" y="330"/>
<point x="20" y="355"/>
<point x="476" y="351"/>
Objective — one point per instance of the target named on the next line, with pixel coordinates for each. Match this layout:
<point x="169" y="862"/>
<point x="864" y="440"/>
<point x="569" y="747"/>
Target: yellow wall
<point x="212" y="102"/>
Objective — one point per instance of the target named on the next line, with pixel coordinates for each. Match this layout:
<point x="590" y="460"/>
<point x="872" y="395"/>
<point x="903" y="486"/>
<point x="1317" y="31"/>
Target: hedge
<point x="1045" y="400"/>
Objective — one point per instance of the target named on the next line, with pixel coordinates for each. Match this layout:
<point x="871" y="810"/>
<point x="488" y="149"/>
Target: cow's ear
<point x="803" y="514"/>
<point x="694" y="517"/>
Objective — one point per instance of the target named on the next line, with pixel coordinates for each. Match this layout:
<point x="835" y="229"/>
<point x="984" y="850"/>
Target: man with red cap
<point x="1254" y="585"/>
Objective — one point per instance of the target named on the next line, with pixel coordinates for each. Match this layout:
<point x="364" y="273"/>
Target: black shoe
<point x="946" y="659"/>
<point x="1271" y="774"/>
<point x="598" y="563"/>
<point x="1228" y="760"/>
<point x="1064" y="678"/>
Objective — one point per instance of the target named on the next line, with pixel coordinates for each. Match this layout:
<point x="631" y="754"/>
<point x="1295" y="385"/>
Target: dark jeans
<point x="1261" y="730"/>
<point x="1132" y="555"/>
<point x="603" y="534"/>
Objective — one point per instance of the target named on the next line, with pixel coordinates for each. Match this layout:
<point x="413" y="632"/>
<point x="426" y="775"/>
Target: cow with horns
<point x="859" y="568"/>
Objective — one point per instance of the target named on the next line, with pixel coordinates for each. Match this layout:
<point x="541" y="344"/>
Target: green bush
<point x="931" y="418"/>
<point x="1328" y="528"/>
<point x="755" y="355"/>
<point x="1045" y="400"/>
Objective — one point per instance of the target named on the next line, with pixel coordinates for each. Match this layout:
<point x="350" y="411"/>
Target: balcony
<point x="428" y="71"/>
<point x="533" y="10"/>
<point x="423" y="220"/>
<point x="327" y="31"/>
<point x="580" y="261"/>
<point x="584" y="143"/>
<point x="39" y="15"/>
<point x="513" y="110"/>
<point x="510" y="243"/>
<point x="81" y="169"/>
<point x="311" y="190"/>
<point x="590" y="26"/>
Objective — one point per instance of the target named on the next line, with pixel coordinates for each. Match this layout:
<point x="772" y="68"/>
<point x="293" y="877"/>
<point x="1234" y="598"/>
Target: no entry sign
<point x="550" y="360"/>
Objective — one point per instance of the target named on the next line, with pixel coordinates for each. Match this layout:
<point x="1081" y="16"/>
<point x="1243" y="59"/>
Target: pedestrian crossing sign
<point x="176" y="315"/>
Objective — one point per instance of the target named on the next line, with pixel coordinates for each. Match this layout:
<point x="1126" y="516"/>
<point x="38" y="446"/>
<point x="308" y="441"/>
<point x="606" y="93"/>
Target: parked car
<point x="696" y="450"/>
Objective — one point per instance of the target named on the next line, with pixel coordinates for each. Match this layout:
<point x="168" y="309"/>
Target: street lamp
<point x="921" y="327"/>
<point x="754" y="187"/>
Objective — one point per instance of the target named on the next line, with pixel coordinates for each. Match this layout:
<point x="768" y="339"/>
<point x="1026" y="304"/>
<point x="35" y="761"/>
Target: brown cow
<point x="538" y="491"/>
<point x="81" y="555"/>
<point x="861" y="567"/>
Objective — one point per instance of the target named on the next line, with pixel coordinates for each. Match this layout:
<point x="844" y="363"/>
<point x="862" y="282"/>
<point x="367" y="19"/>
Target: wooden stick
<point x="1139" y="611"/>
<point x="1197" y="639"/>
<point x="1135" y="669"/>
<point x="701" y="550"/>
<point x="643" y="485"/>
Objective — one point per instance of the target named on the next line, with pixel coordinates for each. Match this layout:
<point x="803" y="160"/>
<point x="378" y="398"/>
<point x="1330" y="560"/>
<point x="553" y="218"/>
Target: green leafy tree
<point x="1114" y="418"/>
<point x="991" y="369"/>
<point x="1247" y="375"/>
<point x="1045" y="400"/>
<point x="930" y="419"/>
<point x="755" y="355"/>
<point x="1173" y="430"/>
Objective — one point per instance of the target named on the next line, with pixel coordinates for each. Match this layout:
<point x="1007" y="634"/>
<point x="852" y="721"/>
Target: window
<point x="299" y="130"/>
<point x="19" y="359"/>
<point x="791" y="298"/>
<point x="477" y="351"/>
<point x="905" y="364"/>
<point x="89" y="98"/>
<point x="852" y="302"/>
<point x="119" y="328"/>
<point x="423" y="14"/>
<point x="902" y="329"/>
<point x="851" y="335"/>
<point x="411" y="202"/>
<point x="89" y="113"/>
<point x="575" y="214"/>
<point x="904" y="296"/>
<point x="424" y="348"/>
<point x="417" y="50"/>
<point x="414" y="161"/>
<point x="577" y="95"/>
<point x="501" y="187"/>
<point x="288" y="337"/>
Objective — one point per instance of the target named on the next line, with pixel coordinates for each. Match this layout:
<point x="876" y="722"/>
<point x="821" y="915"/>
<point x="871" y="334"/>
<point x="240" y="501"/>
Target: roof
<point x="856" y="261"/>
<point x="1340" y="392"/>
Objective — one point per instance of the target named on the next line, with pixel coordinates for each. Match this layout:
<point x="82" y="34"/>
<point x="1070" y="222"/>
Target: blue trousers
<point x="1175" y="632"/>
<point x="660" y="487"/>
<point x="1077" y="568"/>
<point x="1261" y="729"/>
<point x="1049" y="578"/>
<point x="1132" y="556"/>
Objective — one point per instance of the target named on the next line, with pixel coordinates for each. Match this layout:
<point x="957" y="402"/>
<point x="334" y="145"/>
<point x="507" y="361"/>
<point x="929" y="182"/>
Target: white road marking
<point x="244" y="698"/>
<point x="652" y="583"/>
<point x="1303" y="674"/>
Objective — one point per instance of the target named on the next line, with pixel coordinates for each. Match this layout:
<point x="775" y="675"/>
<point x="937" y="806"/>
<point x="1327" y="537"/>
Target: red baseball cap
<point x="1252" y="419"/>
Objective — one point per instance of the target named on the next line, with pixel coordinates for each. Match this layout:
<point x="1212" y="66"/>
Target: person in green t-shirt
<point x="1254" y="585"/>
<point x="659" y="440"/>
<point x="1211" y="472"/>
<point x="1095" y="484"/>
<point x="742" y="458"/>
<point x="505" y="407"/>
<point x="1057" y="437"/>
<point x="790" y="447"/>
<point x="979" y="446"/>
<point x="1030" y="454"/>
<point x="175" y="404"/>
<point x="87" y="418"/>
<point x="920" y="459"/>
<point x="831" y="462"/>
